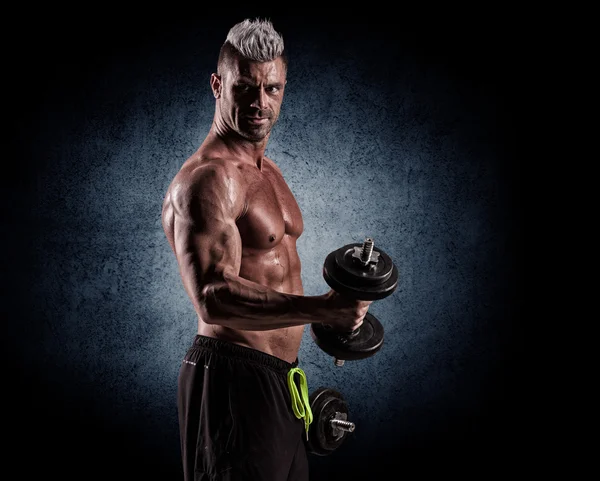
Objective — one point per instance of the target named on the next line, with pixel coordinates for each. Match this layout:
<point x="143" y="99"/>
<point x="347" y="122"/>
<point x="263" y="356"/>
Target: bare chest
<point x="271" y="210"/>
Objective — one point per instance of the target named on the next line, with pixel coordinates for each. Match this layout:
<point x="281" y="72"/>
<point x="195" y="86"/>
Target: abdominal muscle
<point x="283" y="343"/>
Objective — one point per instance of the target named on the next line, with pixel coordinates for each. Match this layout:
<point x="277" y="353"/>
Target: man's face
<point x="250" y="96"/>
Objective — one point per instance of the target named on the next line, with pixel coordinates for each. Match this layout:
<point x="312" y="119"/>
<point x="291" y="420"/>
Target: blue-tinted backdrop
<point x="399" y="131"/>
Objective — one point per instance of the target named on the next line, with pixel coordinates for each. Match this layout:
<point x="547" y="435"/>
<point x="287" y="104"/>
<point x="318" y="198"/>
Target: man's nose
<point x="260" y="99"/>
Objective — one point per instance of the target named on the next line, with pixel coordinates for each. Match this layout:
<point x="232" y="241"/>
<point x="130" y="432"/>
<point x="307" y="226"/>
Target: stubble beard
<point x="259" y="134"/>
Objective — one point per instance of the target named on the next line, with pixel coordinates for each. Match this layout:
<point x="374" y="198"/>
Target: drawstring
<point x="300" y="404"/>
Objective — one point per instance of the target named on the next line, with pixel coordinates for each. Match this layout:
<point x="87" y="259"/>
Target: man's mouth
<point x="257" y="120"/>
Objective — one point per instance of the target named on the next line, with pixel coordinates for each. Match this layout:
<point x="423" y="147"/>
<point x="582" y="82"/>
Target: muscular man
<point x="233" y="224"/>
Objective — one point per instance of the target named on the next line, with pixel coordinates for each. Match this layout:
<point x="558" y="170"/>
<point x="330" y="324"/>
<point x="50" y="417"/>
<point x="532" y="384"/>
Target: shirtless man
<point x="233" y="223"/>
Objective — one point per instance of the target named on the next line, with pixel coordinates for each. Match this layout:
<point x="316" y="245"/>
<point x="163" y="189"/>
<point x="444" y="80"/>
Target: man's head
<point x="250" y="79"/>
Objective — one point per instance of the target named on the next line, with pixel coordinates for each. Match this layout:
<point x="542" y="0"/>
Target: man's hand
<point x="343" y="313"/>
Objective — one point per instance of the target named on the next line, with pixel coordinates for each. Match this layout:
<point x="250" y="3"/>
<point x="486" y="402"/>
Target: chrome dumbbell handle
<point x="340" y="425"/>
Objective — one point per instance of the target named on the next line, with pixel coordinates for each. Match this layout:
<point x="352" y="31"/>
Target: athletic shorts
<point x="235" y="415"/>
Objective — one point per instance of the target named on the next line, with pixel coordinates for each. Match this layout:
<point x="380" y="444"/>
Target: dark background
<point x="400" y="128"/>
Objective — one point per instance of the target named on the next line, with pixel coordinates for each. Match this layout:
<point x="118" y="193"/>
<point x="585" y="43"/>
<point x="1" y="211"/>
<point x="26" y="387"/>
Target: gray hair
<point x="256" y="40"/>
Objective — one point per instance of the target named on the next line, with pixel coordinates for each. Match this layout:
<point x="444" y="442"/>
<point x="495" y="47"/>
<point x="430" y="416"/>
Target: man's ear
<point x="216" y="85"/>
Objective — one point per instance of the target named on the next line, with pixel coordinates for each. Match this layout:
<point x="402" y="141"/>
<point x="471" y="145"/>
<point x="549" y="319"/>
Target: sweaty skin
<point x="233" y="224"/>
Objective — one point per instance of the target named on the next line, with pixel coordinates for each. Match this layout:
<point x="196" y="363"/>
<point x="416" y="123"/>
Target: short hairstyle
<point x="255" y="40"/>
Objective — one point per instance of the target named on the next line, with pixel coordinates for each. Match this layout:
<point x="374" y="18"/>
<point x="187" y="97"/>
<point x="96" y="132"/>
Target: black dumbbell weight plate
<point x="324" y="404"/>
<point x="363" y="343"/>
<point x="348" y="277"/>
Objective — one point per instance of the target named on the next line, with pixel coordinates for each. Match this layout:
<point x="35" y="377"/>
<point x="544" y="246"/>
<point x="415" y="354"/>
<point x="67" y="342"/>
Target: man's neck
<point x="233" y="145"/>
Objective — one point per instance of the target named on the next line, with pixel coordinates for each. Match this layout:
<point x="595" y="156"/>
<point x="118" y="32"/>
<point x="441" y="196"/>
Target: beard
<point x="256" y="132"/>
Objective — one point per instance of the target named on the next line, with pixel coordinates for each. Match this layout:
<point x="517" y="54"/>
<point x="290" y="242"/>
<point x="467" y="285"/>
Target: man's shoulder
<point x="272" y="164"/>
<point x="204" y="178"/>
<point x="201" y="170"/>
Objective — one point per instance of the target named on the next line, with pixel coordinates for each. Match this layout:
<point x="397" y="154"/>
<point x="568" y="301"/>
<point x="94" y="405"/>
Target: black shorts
<point x="235" y="416"/>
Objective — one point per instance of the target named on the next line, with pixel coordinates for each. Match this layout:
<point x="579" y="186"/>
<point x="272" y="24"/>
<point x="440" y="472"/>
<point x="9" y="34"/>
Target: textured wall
<point x="382" y="136"/>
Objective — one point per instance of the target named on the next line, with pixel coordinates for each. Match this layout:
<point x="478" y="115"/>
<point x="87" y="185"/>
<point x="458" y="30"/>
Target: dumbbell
<point x="362" y="272"/>
<point x="330" y="422"/>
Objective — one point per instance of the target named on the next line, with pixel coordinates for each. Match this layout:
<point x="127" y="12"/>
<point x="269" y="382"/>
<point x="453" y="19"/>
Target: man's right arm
<point x="208" y="249"/>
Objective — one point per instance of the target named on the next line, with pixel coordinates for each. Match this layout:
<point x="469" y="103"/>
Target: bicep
<point x="207" y="241"/>
<point x="212" y="249"/>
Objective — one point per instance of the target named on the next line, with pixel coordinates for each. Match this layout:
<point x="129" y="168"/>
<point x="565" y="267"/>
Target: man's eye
<point x="272" y="90"/>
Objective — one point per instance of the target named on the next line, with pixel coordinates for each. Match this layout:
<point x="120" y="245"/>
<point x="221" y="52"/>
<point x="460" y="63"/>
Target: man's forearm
<point x="242" y="304"/>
